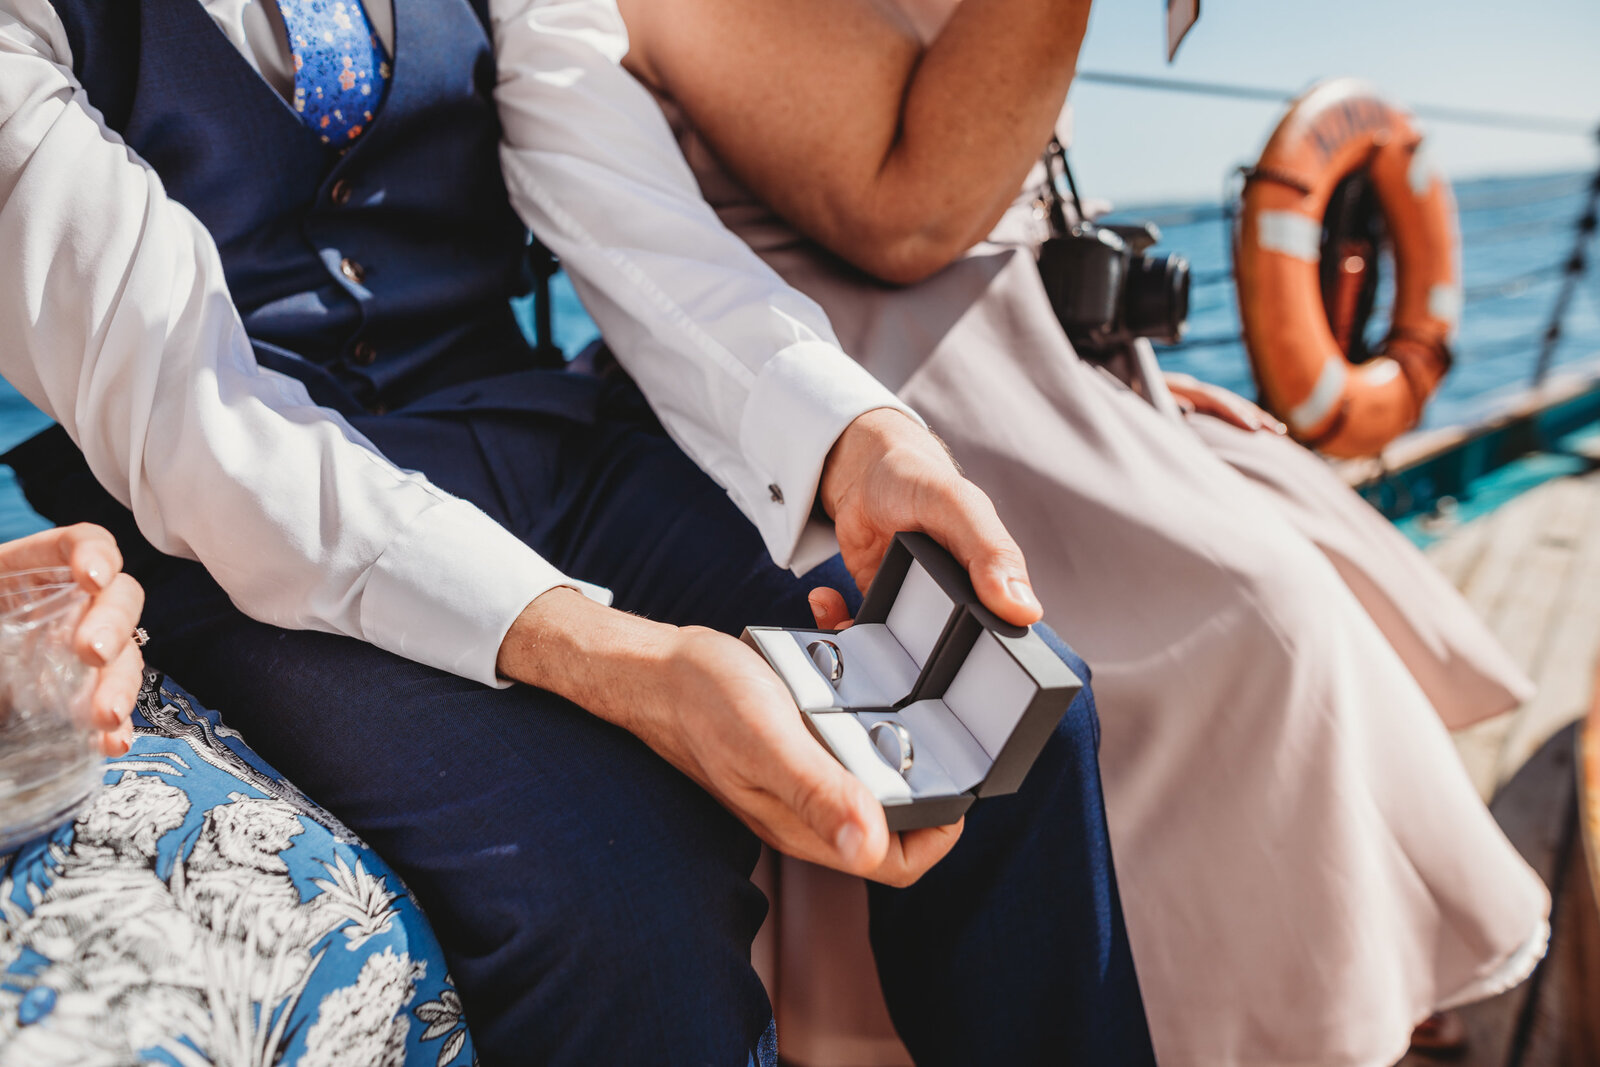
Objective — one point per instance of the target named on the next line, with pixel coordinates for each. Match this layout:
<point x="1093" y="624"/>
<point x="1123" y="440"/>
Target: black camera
<point x="1107" y="291"/>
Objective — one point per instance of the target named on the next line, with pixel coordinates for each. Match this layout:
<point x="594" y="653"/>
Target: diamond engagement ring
<point x="140" y="636"/>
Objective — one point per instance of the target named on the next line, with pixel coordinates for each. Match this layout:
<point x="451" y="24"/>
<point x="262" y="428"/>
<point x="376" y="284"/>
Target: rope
<point x="1437" y="112"/>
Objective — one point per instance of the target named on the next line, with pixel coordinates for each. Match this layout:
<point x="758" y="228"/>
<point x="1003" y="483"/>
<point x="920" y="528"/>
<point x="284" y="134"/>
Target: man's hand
<point x="886" y="473"/>
<point x="104" y="638"/>
<point x="712" y="707"/>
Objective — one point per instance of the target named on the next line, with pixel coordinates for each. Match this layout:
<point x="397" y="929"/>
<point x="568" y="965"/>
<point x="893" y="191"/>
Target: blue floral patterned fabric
<point x="202" y="910"/>
<point x="340" y="70"/>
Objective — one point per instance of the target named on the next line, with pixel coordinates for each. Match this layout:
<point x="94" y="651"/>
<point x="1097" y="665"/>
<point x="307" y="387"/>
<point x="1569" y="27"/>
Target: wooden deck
<point x="1532" y="569"/>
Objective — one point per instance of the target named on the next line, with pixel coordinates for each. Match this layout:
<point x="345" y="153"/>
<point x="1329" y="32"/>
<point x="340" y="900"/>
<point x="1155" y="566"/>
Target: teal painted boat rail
<point x="1447" y="478"/>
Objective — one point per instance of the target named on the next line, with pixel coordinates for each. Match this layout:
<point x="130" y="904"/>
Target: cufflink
<point x="825" y="654"/>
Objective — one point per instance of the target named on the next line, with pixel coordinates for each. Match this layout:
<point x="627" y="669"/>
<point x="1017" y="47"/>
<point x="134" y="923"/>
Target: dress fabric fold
<point x="1306" y="868"/>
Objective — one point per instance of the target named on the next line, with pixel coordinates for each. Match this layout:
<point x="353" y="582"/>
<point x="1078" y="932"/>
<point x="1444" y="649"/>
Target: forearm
<point x="978" y="109"/>
<point x="895" y="151"/>
<point x="743" y="370"/>
<point x="116" y="321"/>
<point x="603" y="660"/>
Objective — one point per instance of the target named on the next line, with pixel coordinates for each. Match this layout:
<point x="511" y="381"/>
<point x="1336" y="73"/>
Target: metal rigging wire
<point x="1436" y="112"/>
<point x="1574" y="268"/>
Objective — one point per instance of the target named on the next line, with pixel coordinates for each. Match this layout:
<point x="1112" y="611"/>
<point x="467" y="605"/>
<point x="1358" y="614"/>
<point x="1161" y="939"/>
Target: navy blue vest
<point x="379" y="275"/>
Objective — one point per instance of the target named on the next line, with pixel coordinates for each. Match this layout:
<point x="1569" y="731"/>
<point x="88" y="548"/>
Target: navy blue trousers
<point x="594" y="904"/>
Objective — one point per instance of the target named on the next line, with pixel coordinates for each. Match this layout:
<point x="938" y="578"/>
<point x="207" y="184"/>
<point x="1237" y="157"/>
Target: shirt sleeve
<point x="116" y="321"/>
<point x="744" y="371"/>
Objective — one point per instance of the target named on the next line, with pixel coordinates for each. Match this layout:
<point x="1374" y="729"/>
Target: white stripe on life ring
<point x="1291" y="233"/>
<point x="1380" y="371"/>
<point x="1309" y="413"/>
<point x="1444" y="303"/>
<point x="1420" y="174"/>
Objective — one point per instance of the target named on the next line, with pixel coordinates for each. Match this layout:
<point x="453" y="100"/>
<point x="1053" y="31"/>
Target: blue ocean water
<point x="1515" y="235"/>
<point x="1516" y="232"/>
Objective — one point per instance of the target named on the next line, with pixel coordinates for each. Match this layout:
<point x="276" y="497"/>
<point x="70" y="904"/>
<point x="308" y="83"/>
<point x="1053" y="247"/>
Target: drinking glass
<point x="49" y="759"/>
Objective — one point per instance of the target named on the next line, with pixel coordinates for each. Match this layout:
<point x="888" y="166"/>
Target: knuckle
<point x="1008" y="555"/>
<point x="814" y="801"/>
<point x="900" y="878"/>
<point x="131" y="588"/>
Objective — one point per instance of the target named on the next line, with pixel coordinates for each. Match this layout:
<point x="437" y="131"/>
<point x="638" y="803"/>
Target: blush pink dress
<point x="1306" y="869"/>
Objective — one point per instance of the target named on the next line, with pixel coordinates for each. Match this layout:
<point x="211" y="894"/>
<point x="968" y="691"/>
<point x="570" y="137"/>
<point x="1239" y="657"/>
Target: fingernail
<point x="1022" y="593"/>
<point x="848" y="841"/>
<point x="99" y="571"/>
<point x="101" y="643"/>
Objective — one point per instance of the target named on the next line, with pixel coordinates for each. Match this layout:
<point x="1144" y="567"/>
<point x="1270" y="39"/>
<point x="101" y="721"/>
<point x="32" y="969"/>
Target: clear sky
<point x="1136" y="146"/>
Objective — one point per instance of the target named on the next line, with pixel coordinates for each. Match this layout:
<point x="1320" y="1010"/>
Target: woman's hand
<point x="1203" y="398"/>
<point x="104" y="639"/>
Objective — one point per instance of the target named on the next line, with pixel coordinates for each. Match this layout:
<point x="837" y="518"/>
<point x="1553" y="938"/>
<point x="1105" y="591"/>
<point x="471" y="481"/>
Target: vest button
<point x="340" y="193"/>
<point x="363" y="354"/>
<point x="378" y="408"/>
<point x="352" y="270"/>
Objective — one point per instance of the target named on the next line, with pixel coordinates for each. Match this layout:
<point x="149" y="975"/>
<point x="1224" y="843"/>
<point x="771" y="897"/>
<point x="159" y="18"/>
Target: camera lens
<point x="1156" y="301"/>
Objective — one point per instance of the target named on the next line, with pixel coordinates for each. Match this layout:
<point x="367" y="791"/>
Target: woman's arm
<point x="895" y="154"/>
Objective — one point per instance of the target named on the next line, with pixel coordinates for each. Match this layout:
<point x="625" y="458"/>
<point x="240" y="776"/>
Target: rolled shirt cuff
<point x="448" y="587"/>
<point x="800" y="402"/>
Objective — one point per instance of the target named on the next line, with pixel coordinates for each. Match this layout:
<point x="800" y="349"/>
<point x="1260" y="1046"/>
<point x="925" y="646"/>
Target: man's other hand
<point x="886" y="473"/>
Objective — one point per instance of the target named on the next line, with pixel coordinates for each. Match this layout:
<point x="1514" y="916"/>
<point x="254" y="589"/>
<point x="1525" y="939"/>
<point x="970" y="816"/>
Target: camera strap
<point x="1057" y="169"/>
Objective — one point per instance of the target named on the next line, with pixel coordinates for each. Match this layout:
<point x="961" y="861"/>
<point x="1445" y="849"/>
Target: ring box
<point x="978" y="696"/>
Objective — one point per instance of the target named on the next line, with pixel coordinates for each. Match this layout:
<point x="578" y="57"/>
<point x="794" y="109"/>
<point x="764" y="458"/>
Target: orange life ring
<point x="1343" y="409"/>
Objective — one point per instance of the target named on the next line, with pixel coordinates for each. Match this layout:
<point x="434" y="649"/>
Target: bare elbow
<point x="901" y="258"/>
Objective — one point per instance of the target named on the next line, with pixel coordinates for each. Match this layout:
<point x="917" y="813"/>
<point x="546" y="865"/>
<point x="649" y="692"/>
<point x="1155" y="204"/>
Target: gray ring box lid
<point x="1048" y="685"/>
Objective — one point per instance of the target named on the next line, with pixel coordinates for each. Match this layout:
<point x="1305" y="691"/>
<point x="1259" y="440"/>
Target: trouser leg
<point x="595" y="904"/>
<point x="1013" y="949"/>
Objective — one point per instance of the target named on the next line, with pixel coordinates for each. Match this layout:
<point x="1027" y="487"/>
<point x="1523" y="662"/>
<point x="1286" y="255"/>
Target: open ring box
<point x="977" y="696"/>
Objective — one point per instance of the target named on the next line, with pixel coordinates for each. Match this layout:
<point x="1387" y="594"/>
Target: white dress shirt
<point x="115" y="319"/>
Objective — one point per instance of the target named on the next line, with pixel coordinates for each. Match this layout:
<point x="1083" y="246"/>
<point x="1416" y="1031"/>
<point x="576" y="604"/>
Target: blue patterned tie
<point x="340" y="70"/>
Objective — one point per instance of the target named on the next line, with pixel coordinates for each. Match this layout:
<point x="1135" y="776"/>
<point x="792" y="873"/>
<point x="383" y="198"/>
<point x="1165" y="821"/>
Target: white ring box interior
<point x="978" y="696"/>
